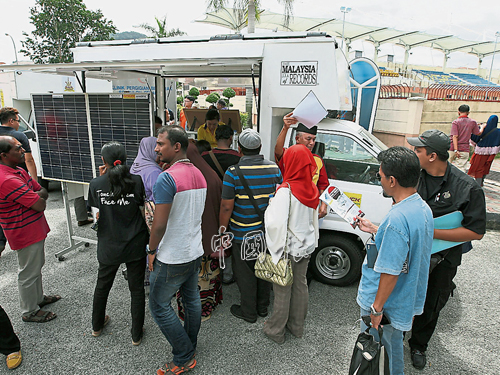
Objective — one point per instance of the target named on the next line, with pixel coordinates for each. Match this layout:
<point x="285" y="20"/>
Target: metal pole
<point x="15" y="50"/>
<point x="343" y="25"/>
<point x="497" y="34"/>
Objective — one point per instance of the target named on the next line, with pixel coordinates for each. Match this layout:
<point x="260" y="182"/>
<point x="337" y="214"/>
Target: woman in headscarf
<point x="210" y="281"/>
<point x="292" y="226"/>
<point x="487" y="146"/>
<point x="145" y="165"/>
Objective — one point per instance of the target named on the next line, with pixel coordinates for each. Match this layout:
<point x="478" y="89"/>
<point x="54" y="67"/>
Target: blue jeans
<point x="166" y="280"/>
<point x="393" y="341"/>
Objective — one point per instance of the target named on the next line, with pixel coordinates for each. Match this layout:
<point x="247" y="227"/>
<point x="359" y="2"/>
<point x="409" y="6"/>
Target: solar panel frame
<point x="72" y="127"/>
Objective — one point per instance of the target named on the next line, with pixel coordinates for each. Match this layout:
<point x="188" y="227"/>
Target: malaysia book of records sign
<point x="70" y="138"/>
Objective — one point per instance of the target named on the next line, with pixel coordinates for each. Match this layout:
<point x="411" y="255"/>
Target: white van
<point x="282" y="68"/>
<point x="350" y="156"/>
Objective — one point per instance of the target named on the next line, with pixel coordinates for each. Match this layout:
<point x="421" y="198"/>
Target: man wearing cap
<point x="239" y="212"/>
<point x="188" y="104"/>
<point x="307" y="137"/>
<point x="446" y="189"/>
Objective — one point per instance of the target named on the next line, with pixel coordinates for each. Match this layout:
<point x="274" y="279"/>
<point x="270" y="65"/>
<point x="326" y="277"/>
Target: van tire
<point x="336" y="261"/>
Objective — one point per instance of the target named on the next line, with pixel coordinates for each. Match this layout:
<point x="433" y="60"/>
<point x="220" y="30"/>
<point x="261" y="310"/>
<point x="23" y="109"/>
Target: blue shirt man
<point x="396" y="285"/>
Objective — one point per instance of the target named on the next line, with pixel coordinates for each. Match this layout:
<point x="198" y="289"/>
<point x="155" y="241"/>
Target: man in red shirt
<point x="461" y="130"/>
<point x="22" y="202"/>
<point x="306" y="137"/>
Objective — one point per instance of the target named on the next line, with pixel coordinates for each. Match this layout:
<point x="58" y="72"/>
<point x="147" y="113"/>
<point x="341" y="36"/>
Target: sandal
<point x="40" y="316"/>
<point x="47" y="300"/>
<point x="172" y="368"/>
<point x="98" y="333"/>
<point x="14" y="360"/>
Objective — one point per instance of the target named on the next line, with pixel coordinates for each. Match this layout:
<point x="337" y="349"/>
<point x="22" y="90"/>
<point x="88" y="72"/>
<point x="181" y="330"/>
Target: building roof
<point x="352" y="31"/>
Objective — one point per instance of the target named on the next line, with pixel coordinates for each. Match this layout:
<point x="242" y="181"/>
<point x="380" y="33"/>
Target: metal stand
<point x="74" y="241"/>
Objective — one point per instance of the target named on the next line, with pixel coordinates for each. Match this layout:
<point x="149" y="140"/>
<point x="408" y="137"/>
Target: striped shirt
<point x="262" y="177"/>
<point x="22" y="225"/>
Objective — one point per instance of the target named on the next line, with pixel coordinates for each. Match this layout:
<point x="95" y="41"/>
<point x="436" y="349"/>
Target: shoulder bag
<point x="216" y="162"/>
<point x="265" y="269"/>
<point x="369" y="356"/>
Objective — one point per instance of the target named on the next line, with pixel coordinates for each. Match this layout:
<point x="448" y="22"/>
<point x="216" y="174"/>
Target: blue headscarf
<point x="492" y="140"/>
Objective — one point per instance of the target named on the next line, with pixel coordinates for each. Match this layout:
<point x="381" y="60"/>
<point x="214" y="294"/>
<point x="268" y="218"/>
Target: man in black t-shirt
<point x="446" y="189"/>
<point x="223" y="152"/>
<point x="10" y="121"/>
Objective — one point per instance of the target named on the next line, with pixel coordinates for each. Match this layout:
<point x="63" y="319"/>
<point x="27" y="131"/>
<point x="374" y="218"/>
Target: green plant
<point x="244" y="120"/>
<point x="180" y="100"/>
<point x="58" y="26"/>
<point x="229" y="93"/>
<point x="194" y="92"/>
<point x="161" y="31"/>
<point x="212" y="98"/>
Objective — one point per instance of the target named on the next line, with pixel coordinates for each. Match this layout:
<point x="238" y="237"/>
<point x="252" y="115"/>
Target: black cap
<point x="435" y="139"/>
<point x="304" y="129"/>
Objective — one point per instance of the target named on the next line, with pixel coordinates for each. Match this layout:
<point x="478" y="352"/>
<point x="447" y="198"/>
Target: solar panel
<point x="65" y="142"/>
<point x="125" y="118"/>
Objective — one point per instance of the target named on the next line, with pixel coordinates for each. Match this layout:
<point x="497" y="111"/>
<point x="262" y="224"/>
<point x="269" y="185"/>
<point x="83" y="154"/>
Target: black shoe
<point x="85" y="222"/>
<point x="418" y="359"/>
<point x="262" y="313"/>
<point x="236" y="311"/>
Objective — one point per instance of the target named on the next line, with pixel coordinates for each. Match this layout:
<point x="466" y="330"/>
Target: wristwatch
<point x="149" y="251"/>
<point x="374" y="312"/>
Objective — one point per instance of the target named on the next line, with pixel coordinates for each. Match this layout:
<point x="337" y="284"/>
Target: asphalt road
<point x="464" y="343"/>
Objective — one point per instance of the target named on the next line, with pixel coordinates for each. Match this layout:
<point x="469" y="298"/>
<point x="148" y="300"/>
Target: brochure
<point x="342" y="205"/>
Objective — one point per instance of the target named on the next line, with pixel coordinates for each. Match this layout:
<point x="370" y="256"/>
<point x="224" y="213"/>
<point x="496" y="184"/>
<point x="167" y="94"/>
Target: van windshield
<point x="345" y="158"/>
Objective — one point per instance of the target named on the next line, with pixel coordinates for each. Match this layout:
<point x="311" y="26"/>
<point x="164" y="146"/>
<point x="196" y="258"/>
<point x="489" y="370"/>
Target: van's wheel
<point x="337" y="260"/>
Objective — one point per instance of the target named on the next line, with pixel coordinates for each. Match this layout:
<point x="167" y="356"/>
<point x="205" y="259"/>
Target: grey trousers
<point x="29" y="279"/>
<point x="290" y="304"/>
<point x="80" y="209"/>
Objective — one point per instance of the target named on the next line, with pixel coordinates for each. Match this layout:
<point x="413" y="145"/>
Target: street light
<point x="497" y="34"/>
<point x="344" y="10"/>
<point x="15" y="50"/>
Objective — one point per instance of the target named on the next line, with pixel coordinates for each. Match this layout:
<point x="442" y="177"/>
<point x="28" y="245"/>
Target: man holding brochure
<point x="394" y="280"/>
<point x="446" y="189"/>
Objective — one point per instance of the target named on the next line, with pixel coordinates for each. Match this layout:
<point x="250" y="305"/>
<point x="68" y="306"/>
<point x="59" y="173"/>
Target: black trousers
<point x="255" y="292"/>
<point x="439" y="289"/>
<point x="3" y="240"/>
<point x="105" y="278"/>
<point x="9" y="342"/>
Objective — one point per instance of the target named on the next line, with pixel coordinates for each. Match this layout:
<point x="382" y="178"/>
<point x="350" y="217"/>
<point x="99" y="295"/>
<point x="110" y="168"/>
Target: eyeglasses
<point x="17" y="119"/>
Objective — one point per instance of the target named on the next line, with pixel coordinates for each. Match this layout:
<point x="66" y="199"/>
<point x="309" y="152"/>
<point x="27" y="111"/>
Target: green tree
<point x="212" y="98"/>
<point x="59" y="25"/>
<point x="194" y="92"/>
<point x="161" y="30"/>
<point x="180" y="100"/>
<point x="249" y="9"/>
<point x="229" y="93"/>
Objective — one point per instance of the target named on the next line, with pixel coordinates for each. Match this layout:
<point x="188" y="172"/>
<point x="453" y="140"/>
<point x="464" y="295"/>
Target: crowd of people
<point x="185" y="221"/>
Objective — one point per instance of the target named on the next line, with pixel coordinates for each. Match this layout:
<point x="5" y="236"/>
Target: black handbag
<point x="369" y="356"/>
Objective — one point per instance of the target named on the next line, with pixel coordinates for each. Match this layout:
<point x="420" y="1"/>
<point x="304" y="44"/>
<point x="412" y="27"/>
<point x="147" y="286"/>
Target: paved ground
<point x="464" y="343"/>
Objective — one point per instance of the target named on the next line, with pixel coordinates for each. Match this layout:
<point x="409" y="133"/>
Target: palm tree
<point x="250" y="9"/>
<point x="161" y="31"/>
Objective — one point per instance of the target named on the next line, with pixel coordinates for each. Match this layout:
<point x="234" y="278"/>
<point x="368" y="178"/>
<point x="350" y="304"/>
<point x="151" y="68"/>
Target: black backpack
<point x="369" y="356"/>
